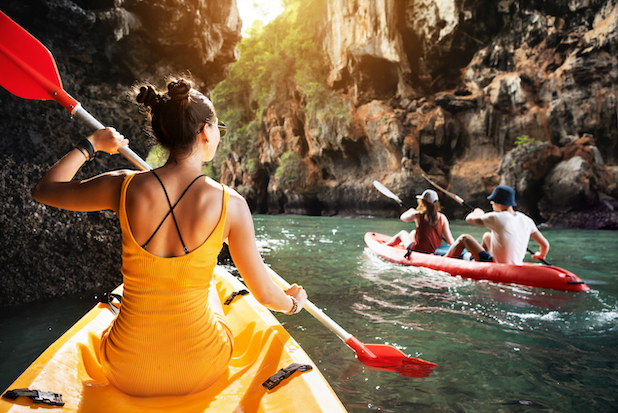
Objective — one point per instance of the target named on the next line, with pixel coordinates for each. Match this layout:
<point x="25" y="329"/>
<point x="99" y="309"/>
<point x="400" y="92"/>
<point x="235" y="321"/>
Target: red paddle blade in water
<point x="388" y="358"/>
<point x="27" y="68"/>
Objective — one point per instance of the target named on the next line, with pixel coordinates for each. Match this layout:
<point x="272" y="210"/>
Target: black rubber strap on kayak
<point x="276" y="379"/>
<point x="234" y="295"/>
<point x="409" y="250"/>
<point x="37" y="396"/>
<point x="108" y="298"/>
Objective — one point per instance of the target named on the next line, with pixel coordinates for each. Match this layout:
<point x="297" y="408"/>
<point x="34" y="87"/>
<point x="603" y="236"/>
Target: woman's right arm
<point x="58" y="189"/>
<point x="243" y="248"/>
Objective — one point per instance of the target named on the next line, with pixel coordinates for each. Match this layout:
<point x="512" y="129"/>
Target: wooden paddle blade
<point x="388" y="358"/>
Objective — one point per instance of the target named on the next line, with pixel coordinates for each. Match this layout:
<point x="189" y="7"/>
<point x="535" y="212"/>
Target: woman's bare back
<point x="197" y="213"/>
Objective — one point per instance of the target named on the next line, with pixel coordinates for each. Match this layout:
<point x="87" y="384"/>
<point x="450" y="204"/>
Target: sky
<point x="264" y="10"/>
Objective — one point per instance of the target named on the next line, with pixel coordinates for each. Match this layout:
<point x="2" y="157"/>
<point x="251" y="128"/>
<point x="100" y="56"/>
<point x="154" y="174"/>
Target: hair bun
<point x="179" y="90"/>
<point x="148" y="96"/>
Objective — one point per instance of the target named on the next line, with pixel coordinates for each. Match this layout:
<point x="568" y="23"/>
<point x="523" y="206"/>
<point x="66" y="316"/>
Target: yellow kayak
<point x="262" y="348"/>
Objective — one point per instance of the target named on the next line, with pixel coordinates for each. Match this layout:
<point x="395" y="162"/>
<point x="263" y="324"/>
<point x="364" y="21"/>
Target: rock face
<point x="101" y="48"/>
<point x="472" y="93"/>
<point x="450" y="88"/>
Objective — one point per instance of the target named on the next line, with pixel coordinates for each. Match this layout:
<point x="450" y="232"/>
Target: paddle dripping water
<point x="500" y="348"/>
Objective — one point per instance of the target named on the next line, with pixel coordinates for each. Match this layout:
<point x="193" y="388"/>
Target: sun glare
<point x="263" y="10"/>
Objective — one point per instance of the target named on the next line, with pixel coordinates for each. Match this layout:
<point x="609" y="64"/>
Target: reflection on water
<point x="500" y="348"/>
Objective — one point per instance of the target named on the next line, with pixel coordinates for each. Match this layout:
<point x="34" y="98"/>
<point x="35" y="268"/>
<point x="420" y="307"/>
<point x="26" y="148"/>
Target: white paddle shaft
<point x="313" y="310"/>
<point x="90" y="121"/>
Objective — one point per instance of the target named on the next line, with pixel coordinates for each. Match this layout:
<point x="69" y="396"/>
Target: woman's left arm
<point x="58" y="189"/>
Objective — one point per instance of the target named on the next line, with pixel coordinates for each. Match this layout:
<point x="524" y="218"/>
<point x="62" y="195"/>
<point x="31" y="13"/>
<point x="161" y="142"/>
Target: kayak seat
<point x="443" y="249"/>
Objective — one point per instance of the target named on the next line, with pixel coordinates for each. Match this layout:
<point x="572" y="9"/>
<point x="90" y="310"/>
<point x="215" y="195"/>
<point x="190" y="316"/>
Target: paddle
<point x="464" y="203"/>
<point x="28" y="70"/>
<point x="378" y="356"/>
<point x="391" y="195"/>
<point x="385" y="191"/>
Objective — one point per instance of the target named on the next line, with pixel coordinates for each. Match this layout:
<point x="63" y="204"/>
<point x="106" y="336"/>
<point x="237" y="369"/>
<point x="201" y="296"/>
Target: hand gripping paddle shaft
<point x="28" y="70"/>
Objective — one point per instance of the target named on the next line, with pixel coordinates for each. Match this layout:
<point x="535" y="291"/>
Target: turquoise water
<point x="500" y="348"/>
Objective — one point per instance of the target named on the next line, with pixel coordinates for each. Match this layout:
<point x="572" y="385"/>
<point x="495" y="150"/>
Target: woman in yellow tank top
<point x="170" y="336"/>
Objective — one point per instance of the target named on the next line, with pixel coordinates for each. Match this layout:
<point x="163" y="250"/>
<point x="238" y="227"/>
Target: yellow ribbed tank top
<point x="166" y="340"/>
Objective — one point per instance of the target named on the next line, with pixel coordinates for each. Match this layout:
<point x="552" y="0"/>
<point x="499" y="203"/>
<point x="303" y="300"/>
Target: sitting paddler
<point x="170" y="337"/>
<point x="431" y="225"/>
<point x="510" y="232"/>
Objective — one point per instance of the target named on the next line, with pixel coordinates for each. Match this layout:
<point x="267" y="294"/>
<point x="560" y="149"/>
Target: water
<point x="500" y="348"/>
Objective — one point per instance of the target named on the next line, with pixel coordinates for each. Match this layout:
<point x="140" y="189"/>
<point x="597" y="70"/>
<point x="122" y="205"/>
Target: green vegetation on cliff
<point x="291" y="172"/>
<point x="279" y="62"/>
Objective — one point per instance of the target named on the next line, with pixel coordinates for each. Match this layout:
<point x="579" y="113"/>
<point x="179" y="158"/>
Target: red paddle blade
<point x="388" y="358"/>
<point x="27" y="68"/>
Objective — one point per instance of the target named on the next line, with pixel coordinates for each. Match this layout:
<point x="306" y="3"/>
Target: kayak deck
<point x="530" y="274"/>
<point x="261" y="348"/>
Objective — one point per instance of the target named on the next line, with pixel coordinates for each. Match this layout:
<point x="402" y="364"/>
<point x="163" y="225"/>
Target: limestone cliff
<point x="443" y="87"/>
<point x="446" y="88"/>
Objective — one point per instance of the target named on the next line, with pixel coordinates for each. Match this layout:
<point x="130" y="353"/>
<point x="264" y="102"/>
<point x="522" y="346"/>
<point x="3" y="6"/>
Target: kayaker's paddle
<point x="460" y="201"/>
<point x="378" y="356"/>
<point x="28" y="70"/>
<point x="387" y="192"/>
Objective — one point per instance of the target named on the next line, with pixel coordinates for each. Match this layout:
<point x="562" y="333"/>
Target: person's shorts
<point x="484" y="256"/>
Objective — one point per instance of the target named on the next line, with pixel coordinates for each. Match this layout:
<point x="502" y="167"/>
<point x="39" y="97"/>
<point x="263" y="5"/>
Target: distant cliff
<point x="449" y="88"/>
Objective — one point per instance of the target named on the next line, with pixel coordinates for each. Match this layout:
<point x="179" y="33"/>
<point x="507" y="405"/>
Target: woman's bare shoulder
<point x="237" y="206"/>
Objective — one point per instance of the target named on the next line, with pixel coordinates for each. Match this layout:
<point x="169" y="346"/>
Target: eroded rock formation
<point x="447" y="88"/>
<point x="101" y="47"/>
<point x="443" y="87"/>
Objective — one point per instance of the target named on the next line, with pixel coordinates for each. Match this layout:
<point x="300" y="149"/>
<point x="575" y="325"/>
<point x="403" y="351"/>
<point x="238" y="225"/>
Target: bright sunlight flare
<point x="263" y="10"/>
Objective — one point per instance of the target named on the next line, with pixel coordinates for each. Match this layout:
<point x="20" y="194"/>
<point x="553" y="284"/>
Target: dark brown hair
<point x="430" y="211"/>
<point x="178" y="115"/>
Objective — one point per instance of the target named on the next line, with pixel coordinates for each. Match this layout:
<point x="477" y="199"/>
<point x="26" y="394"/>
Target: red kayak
<point x="530" y="274"/>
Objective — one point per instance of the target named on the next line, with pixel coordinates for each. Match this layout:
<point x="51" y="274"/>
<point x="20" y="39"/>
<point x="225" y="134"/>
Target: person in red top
<point x="431" y="225"/>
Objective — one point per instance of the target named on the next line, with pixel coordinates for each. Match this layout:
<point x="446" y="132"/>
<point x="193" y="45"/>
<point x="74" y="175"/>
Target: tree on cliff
<point x="279" y="62"/>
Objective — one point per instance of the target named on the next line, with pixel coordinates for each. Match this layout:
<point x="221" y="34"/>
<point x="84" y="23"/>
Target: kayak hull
<point x="261" y="348"/>
<point x="530" y="274"/>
